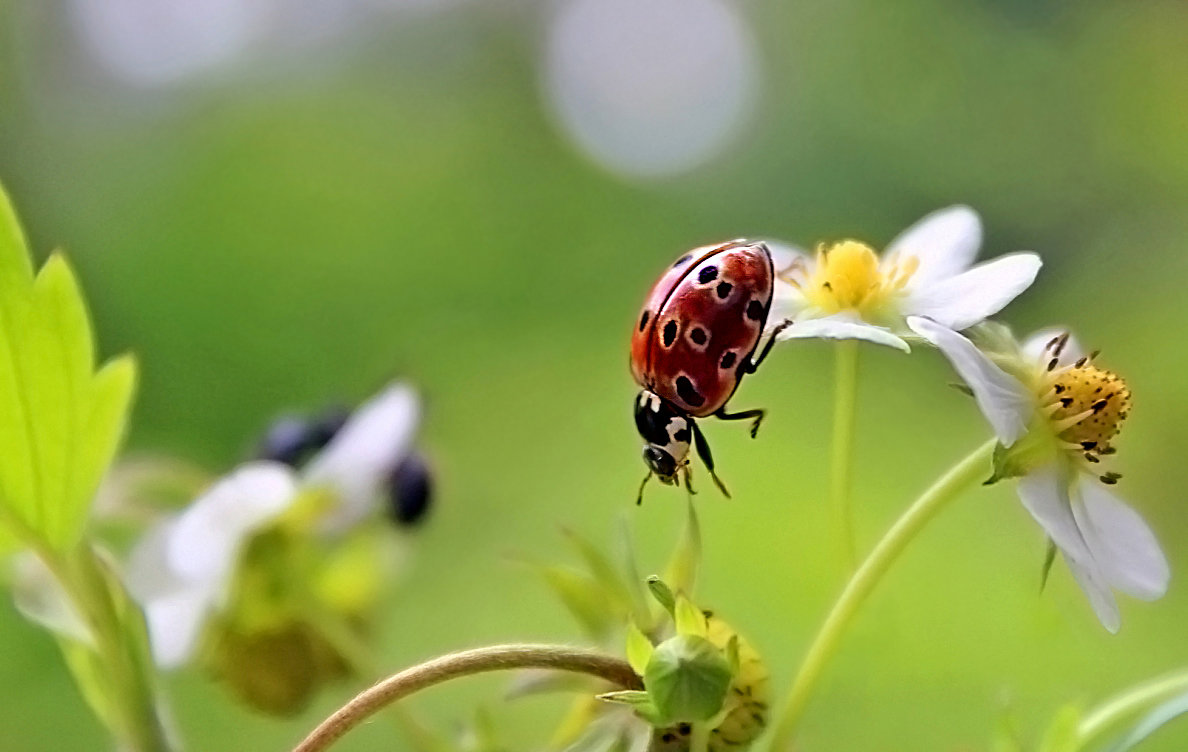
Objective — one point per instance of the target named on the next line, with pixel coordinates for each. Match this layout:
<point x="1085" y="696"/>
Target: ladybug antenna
<point x="689" y="481"/>
<point x="639" y="498"/>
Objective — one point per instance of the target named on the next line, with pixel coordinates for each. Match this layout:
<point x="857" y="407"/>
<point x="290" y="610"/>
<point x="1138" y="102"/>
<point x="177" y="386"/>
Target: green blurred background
<point x="397" y="195"/>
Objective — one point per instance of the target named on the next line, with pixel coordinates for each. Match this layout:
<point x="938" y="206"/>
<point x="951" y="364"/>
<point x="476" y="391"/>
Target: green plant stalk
<point x="1129" y="702"/>
<point x="465" y="663"/>
<point x="845" y="392"/>
<point x="965" y="474"/>
<point x="121" y="642"/>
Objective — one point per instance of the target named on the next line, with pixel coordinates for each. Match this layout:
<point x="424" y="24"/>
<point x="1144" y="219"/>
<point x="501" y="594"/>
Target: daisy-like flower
<point x="1056" y="414"/>
<point x="845" y="291"/>
<point x="183" y="569"/>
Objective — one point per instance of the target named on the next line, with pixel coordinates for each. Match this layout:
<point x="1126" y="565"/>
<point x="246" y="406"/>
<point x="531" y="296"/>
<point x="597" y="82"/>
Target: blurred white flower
<point x="846" y="292"/>
<point x="182" y="570"/>
<point x="650" y="89"/>
<point x="158" y="42"/>
<point x="1056" y="413"/>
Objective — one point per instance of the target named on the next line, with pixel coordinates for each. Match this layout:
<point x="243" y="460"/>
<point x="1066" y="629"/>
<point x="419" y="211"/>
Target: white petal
<point x="945" y="242"/>
<point x="41" y="599"/>
<point x="968" y="298"/>
<point x="1005" y="402"/>
<point x="207" y="536"/>
<point x="1099" y="594"/>
<point x="175" y="607"/>
<point x="785" y="256"/>
<point x="1044" y="494"/>
<point x="369" y="447"/>
<point x="842" y="326"/>
<point x="1123" y="546"/>
<point x="787" y="302"/>
<point x="175" y="623"/>
<point x="1035" y="347"/>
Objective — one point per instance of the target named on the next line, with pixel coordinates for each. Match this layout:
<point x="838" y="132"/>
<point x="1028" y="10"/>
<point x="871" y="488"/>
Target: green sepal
<point x="1049" y="560"/>
<point x="598" y="564"/>
<point x="637" y="700"/>
<point x="639" y="649"/>
<point x="585" y="598"/>
<point x="681" y="571"/>
<point x="688" y="679"/>
<point x="662" y="593"/>
<point x="689" y="619"/>
<point x="640" y="606"/>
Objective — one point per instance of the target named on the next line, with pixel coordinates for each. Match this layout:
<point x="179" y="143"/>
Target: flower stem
<point x="465" y="663"/>
<point x="121" y="647"/>
<point x="1130" y="702"/>
<point x="960" y="477"/>
<point x="845" y="389"/>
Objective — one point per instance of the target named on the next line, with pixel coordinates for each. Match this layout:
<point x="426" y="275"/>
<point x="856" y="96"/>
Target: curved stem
<point x="961" y="476"/>
<point x="1129" y="702"/>
<point x="465" y="663"/>
<point x="845" y="390"/>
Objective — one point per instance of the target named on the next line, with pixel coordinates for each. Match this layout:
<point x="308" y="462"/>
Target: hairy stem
<point x="948" y="487"/>
<point x="845" y="390"/>
<point x="465" y="663"/>
<point x="1129" y="702"/>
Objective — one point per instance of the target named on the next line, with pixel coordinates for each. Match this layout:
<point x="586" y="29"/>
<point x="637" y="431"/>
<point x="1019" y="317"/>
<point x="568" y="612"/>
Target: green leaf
<point x="61" y="422"/>
<point x="639" y="649"/>
<point x="1062" y="734"/>
<point x="688" y="678"/>
<point x="1156" y="719"/>
<point x="681" y="572"/>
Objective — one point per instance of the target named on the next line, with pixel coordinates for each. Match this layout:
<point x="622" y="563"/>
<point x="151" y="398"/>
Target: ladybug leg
<point x="757" y="415"/>
<point x="639" y="499"/>
<point x="703" y="451"/>
<point x="754" y="365"/>
<point x="688" y="472"/>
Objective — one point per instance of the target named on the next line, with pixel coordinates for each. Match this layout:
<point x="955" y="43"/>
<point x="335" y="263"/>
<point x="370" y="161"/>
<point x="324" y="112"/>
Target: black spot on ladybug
<point x="682" y="436"/>
<point x="643" y="320"/>
<point x="698" y="336"/>
<point x="755" y="310"/>
<point x="728" y="359"/>
<point x="724" y="289"/>
<point x="670" y="333"/>
<point x="707" y="275"/>
<point x="686" y="391"/>
<point x="682" y="260"/>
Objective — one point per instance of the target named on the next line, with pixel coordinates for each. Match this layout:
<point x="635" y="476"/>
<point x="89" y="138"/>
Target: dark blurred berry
<point x="287" y="440"/>
<point x="327" y="426"/>
<point x="410" y="490"/>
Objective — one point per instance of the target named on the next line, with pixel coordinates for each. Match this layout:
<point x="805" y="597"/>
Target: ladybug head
<point x="666" y="433"/>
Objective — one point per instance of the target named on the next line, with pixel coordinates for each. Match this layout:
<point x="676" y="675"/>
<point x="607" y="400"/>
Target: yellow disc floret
<point x="849" y="277"/>
<point x="1085" y="404"/>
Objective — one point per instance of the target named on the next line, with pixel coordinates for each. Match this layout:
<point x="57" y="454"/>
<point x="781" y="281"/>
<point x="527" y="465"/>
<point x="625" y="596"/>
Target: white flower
<point x="1056" y="413"/>
<point x="846" y="292"/>
<point x="182" y="569"/>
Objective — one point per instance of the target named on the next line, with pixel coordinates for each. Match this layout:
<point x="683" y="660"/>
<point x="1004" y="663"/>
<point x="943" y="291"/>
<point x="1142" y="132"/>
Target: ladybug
<point x="694" y="341"/>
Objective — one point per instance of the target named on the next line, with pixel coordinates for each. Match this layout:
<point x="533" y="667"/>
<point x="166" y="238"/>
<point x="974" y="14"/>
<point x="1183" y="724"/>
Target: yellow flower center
<point x="849" y="277"/>
<point x="1086" y="405"/>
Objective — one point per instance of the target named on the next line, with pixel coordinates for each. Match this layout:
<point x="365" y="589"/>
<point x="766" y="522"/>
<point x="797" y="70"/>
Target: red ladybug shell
<point x="701" y="323"/>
